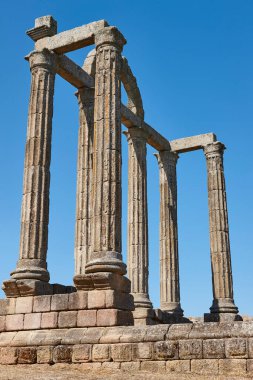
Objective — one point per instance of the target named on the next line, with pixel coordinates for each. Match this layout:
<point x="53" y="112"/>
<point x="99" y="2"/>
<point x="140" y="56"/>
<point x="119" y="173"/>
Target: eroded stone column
<point x="137" y="260"/>
<point x="32" y="264"/>
<point x="223" y="301"/>
<point x="84" y="179"/>
<point x="169" y="264"/>
<point x="106" y="184"/>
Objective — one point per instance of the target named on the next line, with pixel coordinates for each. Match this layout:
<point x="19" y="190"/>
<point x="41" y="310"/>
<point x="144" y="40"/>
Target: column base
<point x="223" y="309"/>
<point x="23" y="288"/>
<point x="102" y="280"/>
<point x="106" y="261"/>
<point x="172" y="308"/>
<point x="142" y="300"/>
<point x="31" y="269"/>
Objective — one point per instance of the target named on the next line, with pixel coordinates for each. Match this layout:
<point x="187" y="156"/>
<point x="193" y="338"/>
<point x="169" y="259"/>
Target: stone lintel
<point x="45" y="26"/>
<point x="191" y="143"/>
<point x="130" y="120"/>
<point x="72" y="39"/>
<point x="72" y="72"/>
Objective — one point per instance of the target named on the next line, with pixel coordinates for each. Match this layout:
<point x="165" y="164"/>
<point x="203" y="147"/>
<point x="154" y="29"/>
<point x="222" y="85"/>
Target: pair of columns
<point x="103" y="191"/>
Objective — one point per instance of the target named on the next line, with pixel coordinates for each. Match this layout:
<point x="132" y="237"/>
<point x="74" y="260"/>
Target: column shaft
<point x="137" y="261"/>
<point x="219" y="232"/>
<point x="84" y="179"/>
<point x="169" y="264"/>
<point x="106" y="183"/>
<point x="32" y="262"/>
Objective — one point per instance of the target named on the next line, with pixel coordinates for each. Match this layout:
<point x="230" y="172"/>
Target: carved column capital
<point x="135" y="133"/>
<point x="166" y="157"/>
<point x="110" y="36"/>
<point x="43" y="59"/>
<point x="214" y="149"/>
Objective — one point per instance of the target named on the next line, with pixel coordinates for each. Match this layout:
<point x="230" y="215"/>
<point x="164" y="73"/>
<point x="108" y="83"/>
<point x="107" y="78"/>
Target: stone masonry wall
<point x="199" y="348"/>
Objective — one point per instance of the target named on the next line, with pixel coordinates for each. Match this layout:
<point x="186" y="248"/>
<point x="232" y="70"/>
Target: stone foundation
<point x="198" y="348"/>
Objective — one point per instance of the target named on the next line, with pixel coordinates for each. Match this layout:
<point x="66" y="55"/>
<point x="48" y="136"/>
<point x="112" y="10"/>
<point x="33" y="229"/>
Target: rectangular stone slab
<point x="72" y="39"/>
<point x="188" y="144"/>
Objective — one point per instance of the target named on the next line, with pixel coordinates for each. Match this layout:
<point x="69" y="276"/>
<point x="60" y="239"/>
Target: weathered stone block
<point x="121" y="352"/>
<point x="180" y="331"/>
<point x="111" y="366"/>
<point x="232" y="366"/>
<point x="114" y="317"/>
<point x="205" y="366"/>
<point x="14" y="322"/>
<point x="78" y="300"/>
<point x="166" y="350"/>
<point x="59" y="302"/>
<point x="86" y="318"/>
<point x="96" y="299"/>
<point x="101" y="352"/>
<point x="49" y="320"/>
<point x="2" y="323"/>
<point x="67" y="319"/>
<point x="132" y="334"/>
<point x="4" y="306"/>
<point x="156" y="333"/>
<point x="178" y="366"/>
<point x="8" y="355"/>
<point x="142" y="351"/>
<point x="21" y="338"/>
<point x="24" y="305"/>
<point x="213" y="349"/>
<point x="236" y="348"/>
<point x="115" y="299"/>
<point x="130" y="366"/>
<point x="62" y="354"/>
<point x="27" y="355"/>
<point x="92" y="335"/>
<point x="45" y="355"/>
<point x="32" y="321"/>
<point x="153" y="366"/>
<point x="6" y="338"/>
<point x="41" y="304"/>
<point x="190" y="349"/>
<point x="81" y="353"/>
<point x="250" y="366"/>
<point x="112" y="334"/>
<point x="90" y="366"/>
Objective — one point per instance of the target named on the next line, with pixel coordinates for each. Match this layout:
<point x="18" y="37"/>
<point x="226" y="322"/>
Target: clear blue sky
<point x="194" y="65"/>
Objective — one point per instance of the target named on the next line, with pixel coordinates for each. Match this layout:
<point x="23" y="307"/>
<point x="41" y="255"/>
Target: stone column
<point x="32" y="264"/>
<point x="223" y="301"/>
<point x="84" y="179"/>
<point x="137" y="260"/>
<point x="106" y="184"/>
<point x="169" y="265"/>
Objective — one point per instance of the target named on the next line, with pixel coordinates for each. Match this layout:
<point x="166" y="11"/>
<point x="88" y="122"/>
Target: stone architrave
<point x="137" y="260"/>
<point x="84" y="179"/>
<point x="32" y="263"/>
<point x="223" y="301"/>
<point x="169" y="264"/>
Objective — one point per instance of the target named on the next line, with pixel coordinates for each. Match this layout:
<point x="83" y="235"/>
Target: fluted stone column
<point x="32" y="262"/>
<point x="169" y="264"/>
<point x="223" y="301"/>
<point x="84" y="179"/>
<point x="137" y="260"/>
<point x="106" y="185"/>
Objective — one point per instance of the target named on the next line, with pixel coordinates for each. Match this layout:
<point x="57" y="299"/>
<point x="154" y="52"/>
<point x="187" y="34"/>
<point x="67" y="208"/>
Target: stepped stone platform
<point x="192" y="348"/>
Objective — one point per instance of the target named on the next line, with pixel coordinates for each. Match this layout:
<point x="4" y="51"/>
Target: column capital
<point x="110" y="35"/>
<point x="166" y="156"/>
<point x="135" y="133"/>
<point x="214" y="149"/>
<point x="44" y="59"/>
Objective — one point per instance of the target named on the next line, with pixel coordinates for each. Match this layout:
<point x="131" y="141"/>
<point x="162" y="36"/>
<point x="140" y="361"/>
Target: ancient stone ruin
<point x="107" y="319"/>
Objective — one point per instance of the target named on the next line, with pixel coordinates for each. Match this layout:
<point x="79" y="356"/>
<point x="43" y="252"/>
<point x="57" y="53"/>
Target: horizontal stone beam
<point x="157" y="141"/>
<point x="188" y="144"/>
<point x="72" y="72"/>
<point x="72" y="39"/>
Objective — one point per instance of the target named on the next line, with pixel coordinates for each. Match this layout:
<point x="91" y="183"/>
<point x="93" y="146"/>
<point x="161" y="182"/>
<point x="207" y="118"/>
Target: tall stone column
<point x="32" y="263"/>
<point x="137" y="260"/>
<point x="84" y="179"/>
<point x="223" y="301"/>
<point x="169" y="264"/>
<point x="106" y="185"/>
